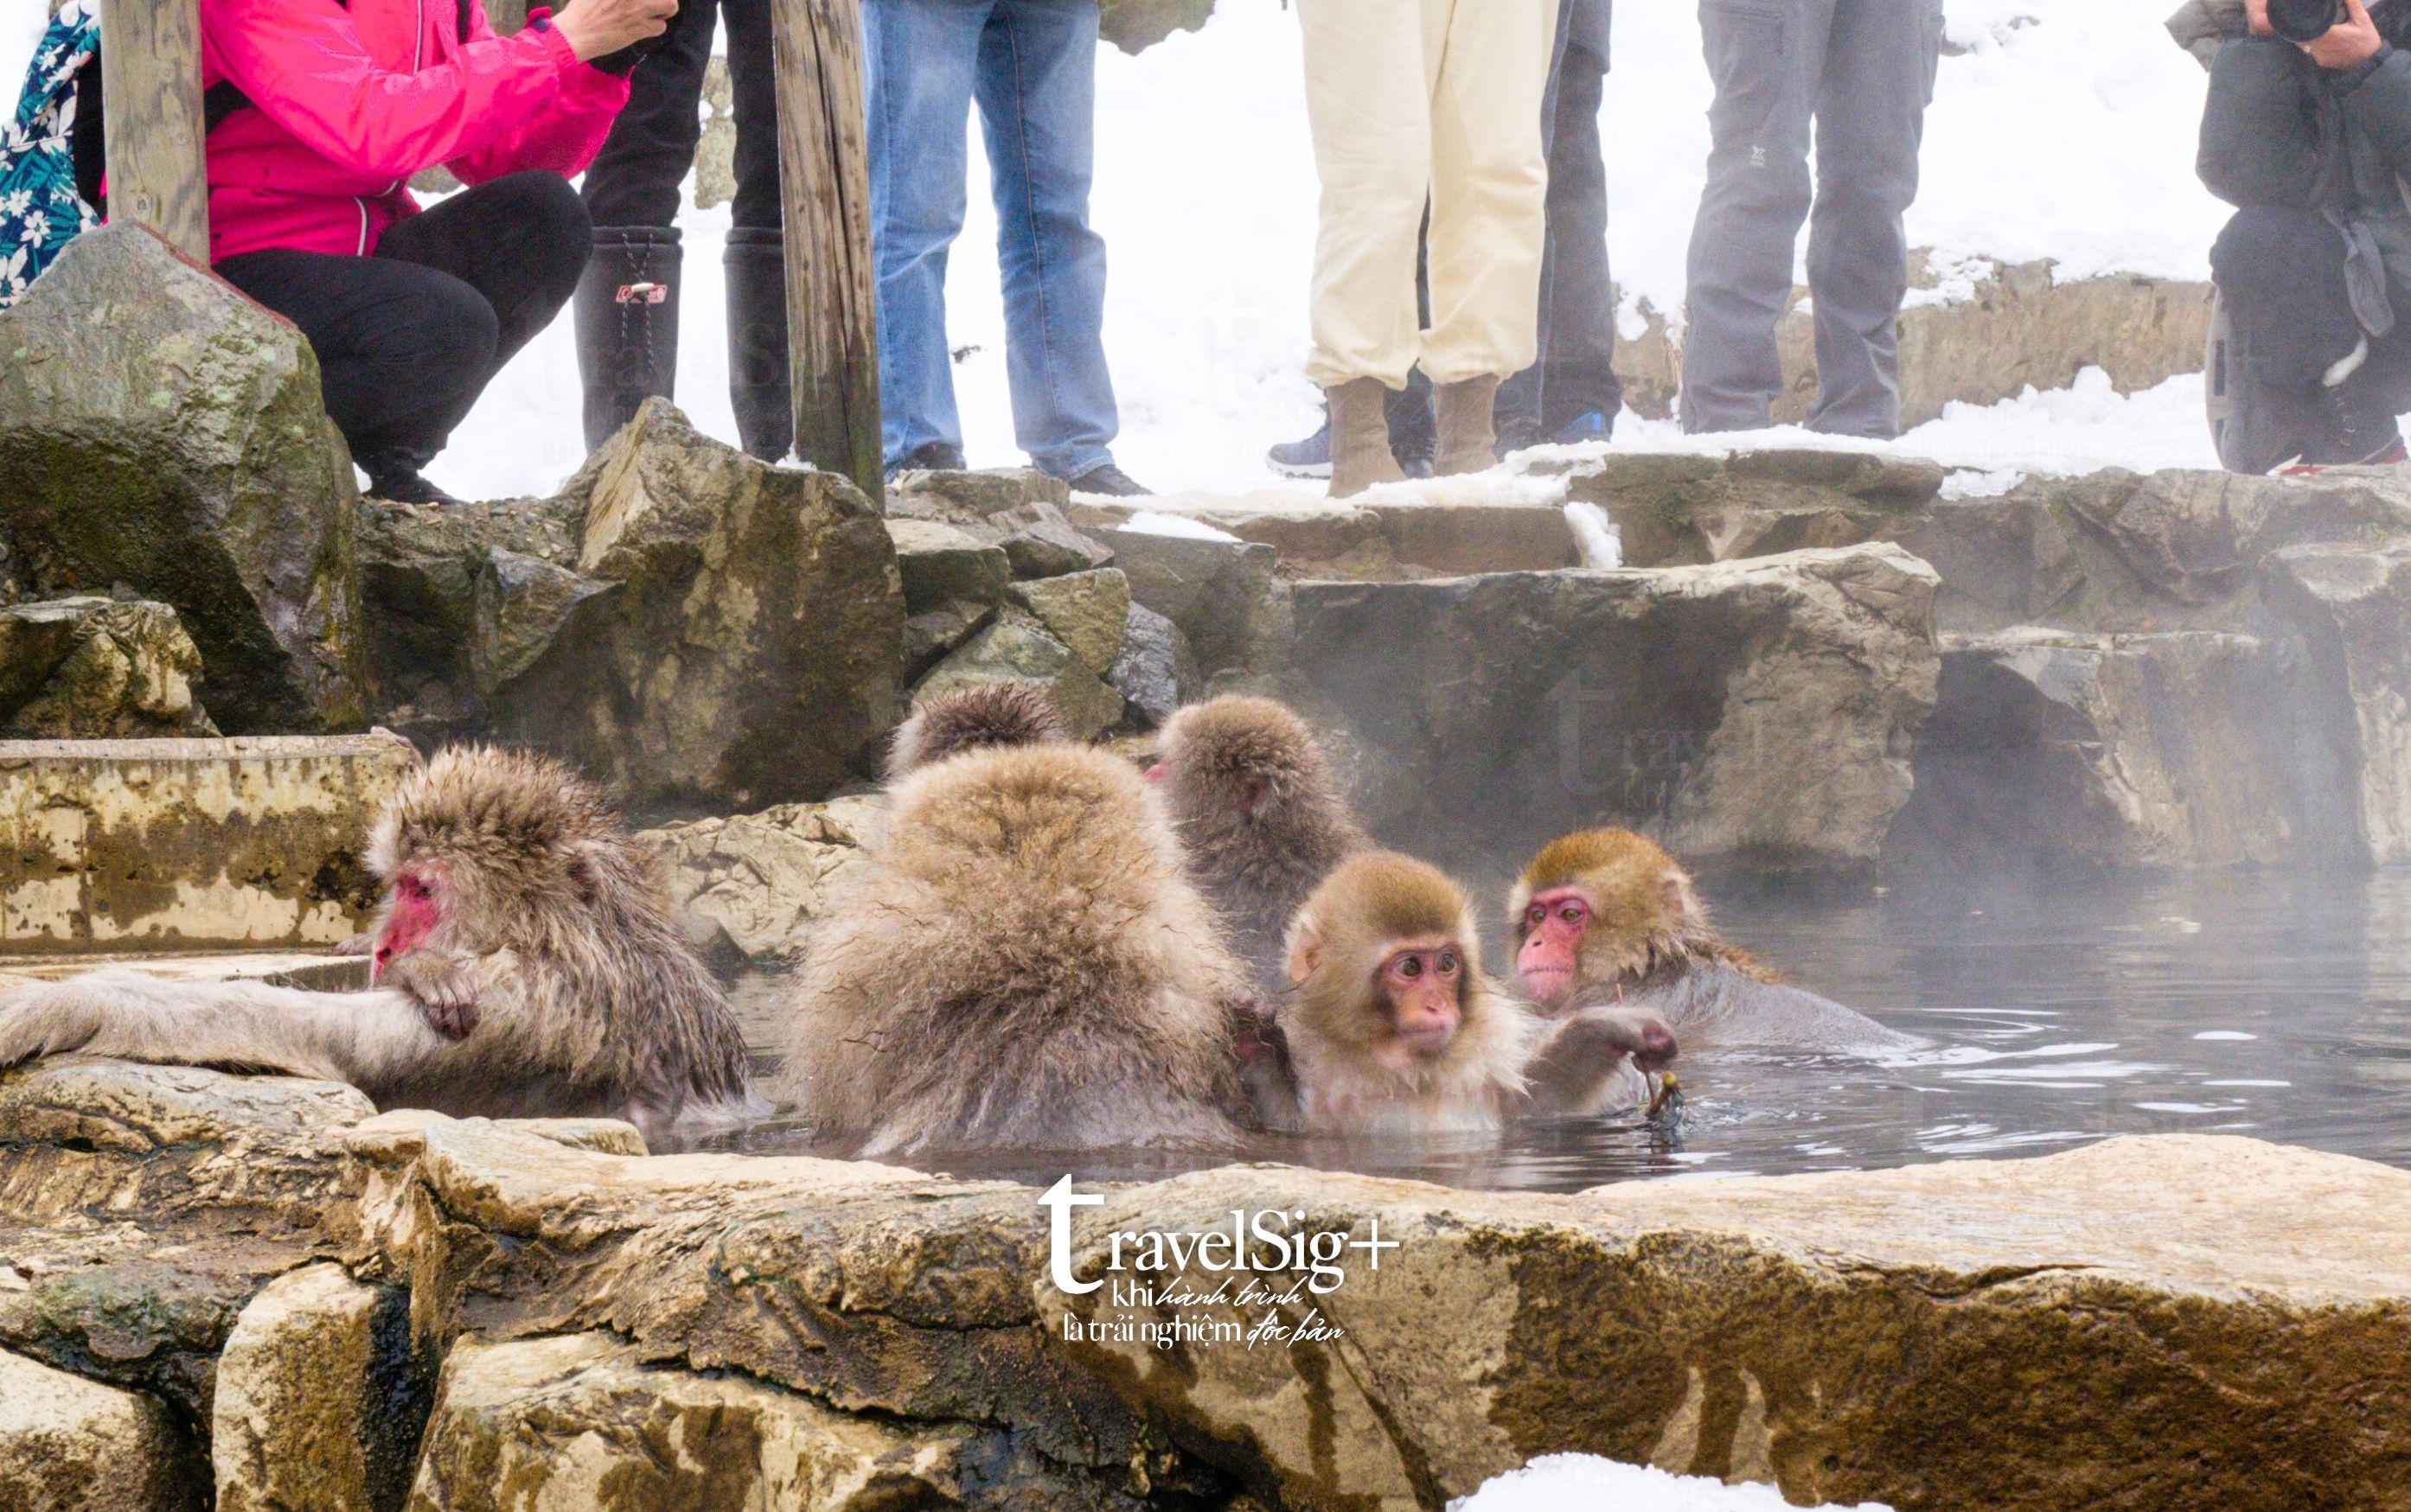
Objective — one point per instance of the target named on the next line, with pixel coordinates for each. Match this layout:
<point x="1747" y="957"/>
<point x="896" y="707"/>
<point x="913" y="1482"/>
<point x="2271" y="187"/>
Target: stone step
<point x="1389" y="541"/>
<point x="110" y="846"/>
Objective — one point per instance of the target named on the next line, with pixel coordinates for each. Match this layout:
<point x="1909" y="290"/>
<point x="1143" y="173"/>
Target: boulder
<point x="1677" y="509"/>
<point x="2054" y="749"/>
<point x="1089" y="612"/>
<point x="1156" y="673"/>
<point x="70" y="1445"/>
<point x="969" y="497"/>
<point x="319" y="1398"/>
<point x="1221" y="594"/>
<point x="95" y="668"/>
<point x="1135" y="25"/>
<point x="729" y="635"/>
<point x="2351" y="605"/>
<point x="1757" y="712"/>
<point x="1040" y="541"/>
<point x="239" y="843"/>
<point x="752" y="886"/>
<point x="1389" y="541"/>
<point x="1017" y="648"/>
<point x="160" y="432"/>
<point x="584" y="1421"/>
<point x="939" y="630"/>
<point x="940" y="561"/>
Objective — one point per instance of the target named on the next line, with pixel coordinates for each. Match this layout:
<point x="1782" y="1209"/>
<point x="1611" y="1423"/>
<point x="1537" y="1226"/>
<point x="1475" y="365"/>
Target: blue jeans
<point x="1031" y="67"/>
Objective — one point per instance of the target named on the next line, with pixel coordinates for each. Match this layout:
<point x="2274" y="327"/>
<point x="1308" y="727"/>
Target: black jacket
<point x="2280" y="130"/>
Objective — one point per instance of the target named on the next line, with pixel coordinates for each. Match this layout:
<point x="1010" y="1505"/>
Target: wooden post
<point x="150" y="98"/>
<point x="825" y="180"/>
<point x="507" y="17"/>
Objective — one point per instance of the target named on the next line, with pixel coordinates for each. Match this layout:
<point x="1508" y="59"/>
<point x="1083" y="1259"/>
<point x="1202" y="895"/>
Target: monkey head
<point x="975" y="719"/>
<point x="478" y="844"/>
<point x="1238" y="757"/>
<point x="1600" y="907"/>
<point x="1385" y="962"/>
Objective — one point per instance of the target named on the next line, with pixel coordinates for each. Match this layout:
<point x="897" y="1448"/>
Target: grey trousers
<point x="1861" y="74"/>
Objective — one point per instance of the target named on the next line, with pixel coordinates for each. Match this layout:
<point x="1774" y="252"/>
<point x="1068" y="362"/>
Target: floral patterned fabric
<point x="39" y="209"/>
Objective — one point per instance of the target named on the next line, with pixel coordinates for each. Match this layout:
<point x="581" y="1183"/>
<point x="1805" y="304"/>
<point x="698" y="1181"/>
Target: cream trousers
<point x="1416" y="98"/>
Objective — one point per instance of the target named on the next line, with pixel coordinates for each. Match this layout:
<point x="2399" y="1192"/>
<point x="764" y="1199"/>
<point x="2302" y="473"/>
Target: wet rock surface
<point x="2172" y="1320"/>
<point x="71" y="1445"/>
<point x="160" y="432"/>
<point x="1758" y="712"/>
<point x="752" y="886"/>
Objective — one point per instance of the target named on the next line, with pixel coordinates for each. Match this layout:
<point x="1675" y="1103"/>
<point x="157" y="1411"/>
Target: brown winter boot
<point x="1360" y="438"/>
<point x="1466" y="442"/>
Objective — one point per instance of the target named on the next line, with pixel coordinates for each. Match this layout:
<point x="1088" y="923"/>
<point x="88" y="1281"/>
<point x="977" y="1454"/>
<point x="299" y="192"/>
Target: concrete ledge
<point x="111" y="845"/>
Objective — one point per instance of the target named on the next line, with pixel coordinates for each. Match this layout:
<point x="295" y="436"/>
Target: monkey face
<point x="1549" y="941"/>
<point x="1422" y="980"/>
<point x="415" y="909"/>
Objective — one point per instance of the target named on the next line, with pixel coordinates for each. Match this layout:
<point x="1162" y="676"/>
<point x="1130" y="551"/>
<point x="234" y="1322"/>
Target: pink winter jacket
<point x="351" y="103"/>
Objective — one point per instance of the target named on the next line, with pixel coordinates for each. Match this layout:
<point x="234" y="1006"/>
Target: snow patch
<point x="1155" y="522"/>
<point x="1586" y="1483"/>
<point x="1596" y="536"/>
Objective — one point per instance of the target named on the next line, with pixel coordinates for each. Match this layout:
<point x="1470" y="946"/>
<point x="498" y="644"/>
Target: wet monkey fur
<point x="525" y="964"/>
<point x="1024" y="966"/>
<point x="1261" y="821"/>
<point x="1604" y="918"/>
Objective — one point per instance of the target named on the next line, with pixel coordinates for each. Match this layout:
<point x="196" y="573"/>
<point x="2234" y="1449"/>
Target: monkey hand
<point x="447" y="997"/>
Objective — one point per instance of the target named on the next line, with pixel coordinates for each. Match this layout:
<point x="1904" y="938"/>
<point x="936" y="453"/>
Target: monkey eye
<point x="1571" y="913"/>
<point x="1448" y="963"/>
<point x="1411" y="966"/>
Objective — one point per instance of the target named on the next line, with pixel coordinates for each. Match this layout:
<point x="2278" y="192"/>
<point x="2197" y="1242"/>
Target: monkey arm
<point x="1597" y="1060"/>
<point x="366" y="1039"/>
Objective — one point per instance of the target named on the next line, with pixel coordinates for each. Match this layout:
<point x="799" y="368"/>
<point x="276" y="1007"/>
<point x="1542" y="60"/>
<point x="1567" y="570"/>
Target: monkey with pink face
<point x="524" y="963"/>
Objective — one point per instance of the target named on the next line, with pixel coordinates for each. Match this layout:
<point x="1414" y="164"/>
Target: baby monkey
<point x="1391" y="1027"/>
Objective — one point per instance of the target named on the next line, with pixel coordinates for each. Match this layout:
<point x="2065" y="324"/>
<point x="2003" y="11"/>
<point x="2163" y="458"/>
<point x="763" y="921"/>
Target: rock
<point x="2083" y="1330"/>
<point x="715" y="152"/>
<point x="160" y="432"/>
<point x="2007" y="561"/>
<point x="1135" y="25"/>
<point x="1220" y="594"/>
<point x="968" y="498"/>
<point x="319" y="1399"/>
<point x="2051" y="749"/>
<point x="1017" y="647"/>
<point x="1679" y="509"/>
<point x="93" y="668"/>
<point x="70" y="1445"/>
<point x="1086" y="611"/>
<point x="754" y="884"/>
<point x="930" y="635"/>
<point x="939" y="562"/>
<point x="586" y="1422"/>
<point x="190" y="843"/>
<point x="311" y="971"/>
<point x="1389" y="541"/>
<point x="1993" y="331"/>
<point x="1156" y="673"/>
<point x="2352" y="607"/>
<point x="745" y="647"/>
<point x="1756" y="712"/>
<point x="1040" y="542"/>
<point x="519" y="608"/>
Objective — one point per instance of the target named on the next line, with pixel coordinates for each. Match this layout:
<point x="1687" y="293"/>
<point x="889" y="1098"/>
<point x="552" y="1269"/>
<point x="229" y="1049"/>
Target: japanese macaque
<point x="1258" y="815"/>
<point x="1603" y="918"/>
<point x="975" y="719"/>
<point x="524" y="963"/>
<point x="1024" y="966"/>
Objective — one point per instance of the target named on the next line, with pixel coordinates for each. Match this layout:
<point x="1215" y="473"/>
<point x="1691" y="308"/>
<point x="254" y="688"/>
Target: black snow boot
<point x="627" y="324"/>
<point x="2359" y="427"/>
<point x="756" y="265"/>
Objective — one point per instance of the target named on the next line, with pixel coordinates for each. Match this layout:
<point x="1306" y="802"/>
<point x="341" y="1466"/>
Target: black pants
<point x="1575" y="374"/>
<point x="2280" y="273"/>
<point x="634" y="180"/>
<point x="408" y="337"/>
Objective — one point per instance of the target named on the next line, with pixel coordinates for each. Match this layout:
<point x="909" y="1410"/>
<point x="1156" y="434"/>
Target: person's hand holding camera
<point x="596" y="28"/>
<point x="2337" y="36"/>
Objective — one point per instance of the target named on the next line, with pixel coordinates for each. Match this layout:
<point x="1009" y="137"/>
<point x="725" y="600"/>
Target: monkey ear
<point x="1305" y="948"/>
<point x="1674" y="890"/>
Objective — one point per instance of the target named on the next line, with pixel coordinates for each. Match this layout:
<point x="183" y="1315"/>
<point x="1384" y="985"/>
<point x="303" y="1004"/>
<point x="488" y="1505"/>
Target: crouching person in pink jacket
<point x="321" y="110"/>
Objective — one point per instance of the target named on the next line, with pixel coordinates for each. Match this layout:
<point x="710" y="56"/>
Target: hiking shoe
<point x="401" y="484"/>
<point x="932" y="457"/>
<point x="1307" y="459"/>
<point x="1105" y="478"/>
<point x="2357" y="426"/>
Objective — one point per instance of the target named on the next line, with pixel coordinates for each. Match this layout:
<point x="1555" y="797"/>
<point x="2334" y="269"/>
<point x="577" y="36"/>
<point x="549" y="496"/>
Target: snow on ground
<point x="2063" y="129"/>
<point x="1583" y="1483"/>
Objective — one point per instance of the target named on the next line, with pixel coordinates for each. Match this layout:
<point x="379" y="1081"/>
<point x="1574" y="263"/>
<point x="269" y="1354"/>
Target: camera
<point x="2305" y="20"/>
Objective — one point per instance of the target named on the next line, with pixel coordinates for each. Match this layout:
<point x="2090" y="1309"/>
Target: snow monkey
<point x="973" y="719"/>
<point x="1024" y="966"/>
<point x="1391" y="1027"/>
<point x="1258" y="815"/>
<point x="523" y="964"/>
<point x="1604" y="917"/>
